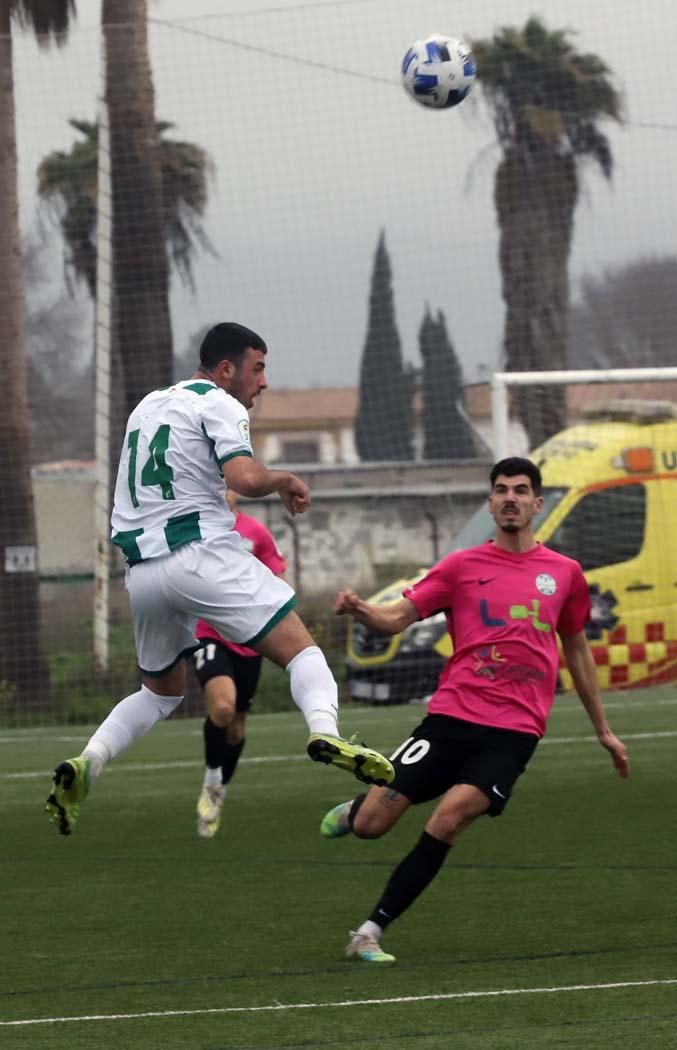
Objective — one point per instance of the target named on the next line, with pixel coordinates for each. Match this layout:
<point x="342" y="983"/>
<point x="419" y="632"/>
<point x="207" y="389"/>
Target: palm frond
<point x="536" y="82"/>
<point x="67" y="181"/>
<point x="48" y="19"/>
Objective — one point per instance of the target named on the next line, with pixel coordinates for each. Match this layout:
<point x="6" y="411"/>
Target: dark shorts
<point x="443" y="751"/>
<point x="215" y="660"/>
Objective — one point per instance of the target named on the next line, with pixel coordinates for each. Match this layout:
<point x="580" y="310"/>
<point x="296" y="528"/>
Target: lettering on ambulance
<point x="669" y="459"/>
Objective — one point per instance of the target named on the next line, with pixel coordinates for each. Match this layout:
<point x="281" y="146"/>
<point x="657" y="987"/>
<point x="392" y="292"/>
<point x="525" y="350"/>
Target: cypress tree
<point x="384" y="422"/>
<point x="447" y="434"/>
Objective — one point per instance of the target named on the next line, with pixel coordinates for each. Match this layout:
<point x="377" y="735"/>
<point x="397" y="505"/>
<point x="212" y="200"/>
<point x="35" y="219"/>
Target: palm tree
<point x="547" y="100"/>
<point x="68" y="181"/>
<point x="143" y="331"/>
<point x="23" y="671"/>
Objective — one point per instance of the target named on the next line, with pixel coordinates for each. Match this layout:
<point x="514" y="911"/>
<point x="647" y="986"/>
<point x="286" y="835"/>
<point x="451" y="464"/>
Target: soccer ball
<point x="438" y="71"/>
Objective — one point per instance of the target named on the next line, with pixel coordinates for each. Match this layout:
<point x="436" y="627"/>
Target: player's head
<point x="514" y="465"/>
<point x="515" y="496"/>
<point x="234" y="357"/>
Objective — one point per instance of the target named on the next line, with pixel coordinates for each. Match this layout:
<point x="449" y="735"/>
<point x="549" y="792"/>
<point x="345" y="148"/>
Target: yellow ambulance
<point x="610" y="502"/>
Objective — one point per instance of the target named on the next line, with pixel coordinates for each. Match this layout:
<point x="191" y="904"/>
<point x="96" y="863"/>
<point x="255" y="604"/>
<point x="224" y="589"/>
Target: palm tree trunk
<point x="535" y="202"/>
<point x="140" y="266"/>
<point x="23" y="671"/>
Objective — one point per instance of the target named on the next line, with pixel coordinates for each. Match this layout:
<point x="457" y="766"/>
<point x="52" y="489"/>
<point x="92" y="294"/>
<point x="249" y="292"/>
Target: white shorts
<point x="216" y="580"/>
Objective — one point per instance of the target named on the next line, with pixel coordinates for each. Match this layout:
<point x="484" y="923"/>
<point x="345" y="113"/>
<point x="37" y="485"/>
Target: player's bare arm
<point x="250" y="478"/>
<point x="581" y="664"/>
<point x="387" y="619"/>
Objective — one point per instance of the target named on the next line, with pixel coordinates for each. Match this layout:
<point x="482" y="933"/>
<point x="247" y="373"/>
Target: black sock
<point x="231" y="755"/>
<point x="410" y="878"/>
<point x="355" y="808"/>
<point x="215" y="744"/>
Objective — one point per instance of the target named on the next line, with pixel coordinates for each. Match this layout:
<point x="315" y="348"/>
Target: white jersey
<point x="169" y="488"/>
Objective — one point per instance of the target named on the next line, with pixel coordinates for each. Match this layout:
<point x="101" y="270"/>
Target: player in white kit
<point x="184" y="563"/>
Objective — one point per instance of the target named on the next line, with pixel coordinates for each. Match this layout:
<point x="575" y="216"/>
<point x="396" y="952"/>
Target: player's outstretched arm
<point x="581" y="664"/>
<point x="386" y="619"/>
<point x="250" y="478"/>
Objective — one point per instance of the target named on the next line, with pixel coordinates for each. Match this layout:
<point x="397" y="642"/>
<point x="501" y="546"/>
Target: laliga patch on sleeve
<point x="243" y="427"/>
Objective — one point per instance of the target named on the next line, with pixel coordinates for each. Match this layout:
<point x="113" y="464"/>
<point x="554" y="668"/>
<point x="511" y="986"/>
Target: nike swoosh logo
<point x="497" y="792"/>
<point x="488" y="580"/>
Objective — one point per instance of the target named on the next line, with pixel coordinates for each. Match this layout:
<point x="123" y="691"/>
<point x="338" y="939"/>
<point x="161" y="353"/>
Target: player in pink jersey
<point x="505" y="602"/>
<point x="229" y="675"/>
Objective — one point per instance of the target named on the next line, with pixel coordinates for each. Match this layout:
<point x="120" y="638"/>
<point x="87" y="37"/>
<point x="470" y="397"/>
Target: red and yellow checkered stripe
<point x="626" y="665"/>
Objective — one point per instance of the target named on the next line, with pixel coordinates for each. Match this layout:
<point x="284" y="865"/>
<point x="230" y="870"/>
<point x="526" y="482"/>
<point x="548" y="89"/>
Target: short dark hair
<point x="228" y="340"/>
<point x="513" y="465"/>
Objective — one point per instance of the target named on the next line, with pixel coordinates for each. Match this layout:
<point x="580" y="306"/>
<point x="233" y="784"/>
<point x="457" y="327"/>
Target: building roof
<point x="477" y="396"/>
<point x="314" y="406"/>
<point x="337" y="406"/>
<point x="311" y="407"/>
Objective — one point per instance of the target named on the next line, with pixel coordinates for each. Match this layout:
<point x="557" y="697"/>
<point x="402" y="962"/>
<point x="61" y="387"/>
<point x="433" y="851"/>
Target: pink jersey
<point x="257" y="539"/>
<point x="503" y="611"/>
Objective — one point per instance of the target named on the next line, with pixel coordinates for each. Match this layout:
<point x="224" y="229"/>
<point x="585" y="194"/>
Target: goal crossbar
<point x="500" y="381"/>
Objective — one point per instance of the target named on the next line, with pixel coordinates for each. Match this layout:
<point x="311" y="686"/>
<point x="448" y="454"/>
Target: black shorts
<point x="214" y="660"/>
<point x="443" y="751"/>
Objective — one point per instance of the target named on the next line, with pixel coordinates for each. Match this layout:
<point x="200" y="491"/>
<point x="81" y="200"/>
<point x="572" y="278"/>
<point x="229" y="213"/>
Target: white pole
<point x="500" y="381"/>
<point x="102" y="401"/>
<point x="499" y="415"/>
<point x="582" y="375"/>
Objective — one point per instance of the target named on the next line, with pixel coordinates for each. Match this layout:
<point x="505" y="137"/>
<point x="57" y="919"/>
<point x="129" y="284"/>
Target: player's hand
<point x="346" y="602"/>
<point x="295" y="495"/>
<point x="618" y="752"/>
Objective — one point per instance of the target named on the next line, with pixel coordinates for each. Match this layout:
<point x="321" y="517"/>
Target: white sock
<point x="372" y="929"/>
<point x="314" y="690"/>
<point x="212" y="777"/>
<point x="129" y="720"/>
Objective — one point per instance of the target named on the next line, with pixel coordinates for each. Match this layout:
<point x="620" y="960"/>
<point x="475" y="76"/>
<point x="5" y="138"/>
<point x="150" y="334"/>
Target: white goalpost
<point x="104" y="292"/>
<point x="501" y="381"/>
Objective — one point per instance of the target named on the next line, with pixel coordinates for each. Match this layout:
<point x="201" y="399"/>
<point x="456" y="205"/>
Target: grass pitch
<point x="551" y="927"/>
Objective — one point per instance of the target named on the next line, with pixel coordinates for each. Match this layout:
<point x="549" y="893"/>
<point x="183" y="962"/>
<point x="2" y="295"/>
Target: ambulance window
<point x="604" y="528"/>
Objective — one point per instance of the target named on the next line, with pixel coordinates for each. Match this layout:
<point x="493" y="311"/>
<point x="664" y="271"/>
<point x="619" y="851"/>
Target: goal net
<point x="609" y="498"/>
<point x="263" y="164"/>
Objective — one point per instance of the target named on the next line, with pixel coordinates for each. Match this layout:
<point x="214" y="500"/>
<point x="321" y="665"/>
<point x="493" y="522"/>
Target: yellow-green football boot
<point x="71" y="786"/>
<point x="369" y="766"/>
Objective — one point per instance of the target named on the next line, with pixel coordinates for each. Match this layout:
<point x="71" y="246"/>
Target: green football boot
<point x="335" y="822"/>
<point x="367" y="765"/>
<point x="71" y="786"/>
<point x="365" y="947"/>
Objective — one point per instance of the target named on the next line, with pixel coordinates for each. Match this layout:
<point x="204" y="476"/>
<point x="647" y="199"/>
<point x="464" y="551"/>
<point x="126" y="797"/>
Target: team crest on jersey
<point x="546" y="583"/>
<point x="243" y="427"/>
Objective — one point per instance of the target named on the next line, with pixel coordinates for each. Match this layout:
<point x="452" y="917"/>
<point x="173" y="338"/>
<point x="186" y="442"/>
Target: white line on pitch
<point x="345" y="1002"/>
<point x="146" y="767"/>
<point x="24" y="734"/>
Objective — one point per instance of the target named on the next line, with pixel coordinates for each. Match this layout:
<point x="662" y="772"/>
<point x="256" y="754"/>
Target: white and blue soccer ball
<point x="439" y="71"/>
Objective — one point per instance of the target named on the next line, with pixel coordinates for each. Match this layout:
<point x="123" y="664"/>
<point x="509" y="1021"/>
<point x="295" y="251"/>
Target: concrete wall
<point x="361" y="519"/>
<point x="64" y="509"/>
<point x="352" y="541"/>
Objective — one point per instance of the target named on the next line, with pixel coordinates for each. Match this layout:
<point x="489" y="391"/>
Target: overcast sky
<point x="316" y="147"/>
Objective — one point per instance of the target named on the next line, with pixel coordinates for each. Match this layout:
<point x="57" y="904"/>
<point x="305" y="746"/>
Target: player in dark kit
<point x="229" y="675"/>
<point x="506" y="602"/>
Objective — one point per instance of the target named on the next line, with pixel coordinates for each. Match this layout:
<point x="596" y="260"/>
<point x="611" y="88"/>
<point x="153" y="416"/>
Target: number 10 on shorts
<point x="411" y="751"/>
